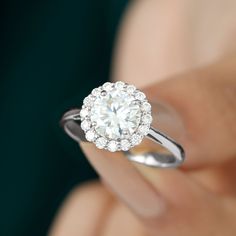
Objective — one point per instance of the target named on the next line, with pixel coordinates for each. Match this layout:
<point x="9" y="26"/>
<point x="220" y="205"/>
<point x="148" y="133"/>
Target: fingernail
<point x="167" y="120"/>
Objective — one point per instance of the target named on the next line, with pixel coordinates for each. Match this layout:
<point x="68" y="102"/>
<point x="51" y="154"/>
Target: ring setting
<point x="116" y="116"/>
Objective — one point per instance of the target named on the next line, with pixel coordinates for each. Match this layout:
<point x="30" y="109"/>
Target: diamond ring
<point x="117" y="117"/>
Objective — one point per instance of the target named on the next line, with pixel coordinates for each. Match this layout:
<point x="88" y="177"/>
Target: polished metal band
<point x="71" y="124"/>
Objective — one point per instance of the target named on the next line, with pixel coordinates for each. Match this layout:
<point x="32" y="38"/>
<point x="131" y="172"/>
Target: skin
<point x="194" y="72"/>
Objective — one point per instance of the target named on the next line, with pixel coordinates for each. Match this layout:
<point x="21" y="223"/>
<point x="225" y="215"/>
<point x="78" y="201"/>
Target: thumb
<point x="205" y="100"/>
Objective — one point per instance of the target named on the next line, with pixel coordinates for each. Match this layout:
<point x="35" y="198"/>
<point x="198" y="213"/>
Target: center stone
<point x="116" y="115"/>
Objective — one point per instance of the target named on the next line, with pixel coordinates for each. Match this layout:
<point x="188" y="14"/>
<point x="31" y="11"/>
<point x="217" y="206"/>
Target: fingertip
<point x="125" y="181"/>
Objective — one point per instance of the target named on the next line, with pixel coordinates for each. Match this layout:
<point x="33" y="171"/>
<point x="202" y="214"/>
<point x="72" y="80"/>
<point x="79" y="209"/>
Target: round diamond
<point x="146" y="106"/>
<point x="144" y="129"/>
<point x="119" y="85"/>
<point x="136" y="139"/>
<point x="112" y="146"/>
<point x="115" y="113"/>
<point x="101" y="142"/>
<point x="85" y="125"/>
<point x="125" y="145"/>
<point x="131" y="88"/>
<point x="147" y="119"/>
<point x="140" y="95"/>
<point x="96" y="91"/>
<point x="107" y="86"/>
<point x="84" y="112"/>
<point x="90" y="135"/>
<point x="89" y="100"/>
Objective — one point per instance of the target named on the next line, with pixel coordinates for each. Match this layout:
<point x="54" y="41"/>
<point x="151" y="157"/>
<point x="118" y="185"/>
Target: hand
<point x="198" y="199"/>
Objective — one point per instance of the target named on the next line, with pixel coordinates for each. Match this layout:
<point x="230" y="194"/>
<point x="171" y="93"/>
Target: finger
<point x="82" y="214"/>
<point x="125" y="181"/>
<point x="121" y="221"/>
<point x="205" y="99"/>
<point x="192" y="210"/>
<point x="151" y="47"/>
<point x="162" y="199"/>
<point x="147" y="191"/>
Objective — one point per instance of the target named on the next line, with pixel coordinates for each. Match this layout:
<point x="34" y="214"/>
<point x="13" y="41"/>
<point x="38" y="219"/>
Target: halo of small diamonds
<point x="116" y="116"/>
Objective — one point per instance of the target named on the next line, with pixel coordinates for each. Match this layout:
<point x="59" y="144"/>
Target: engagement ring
<point x="117" y="117"/>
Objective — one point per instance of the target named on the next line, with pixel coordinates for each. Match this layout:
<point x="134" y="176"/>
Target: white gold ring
<point x="116" y="117"/>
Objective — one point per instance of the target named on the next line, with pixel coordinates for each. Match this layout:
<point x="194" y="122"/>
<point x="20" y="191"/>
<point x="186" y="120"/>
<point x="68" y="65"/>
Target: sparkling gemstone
<point x="90" y="135"/>
<point x="125" y="145"/>
<point x="119" y="85"/>
<point x="140" y="96"/>
<point x="112" y="146"/>
<point x="89" y="100"/>
<point x="84" y="112"/>
<point x="144" y="129"/>
<point x="101" y="142"/>
<point x="136" y="139"/>
<point x="146" y="106"/>
<point x="115" y="114"/>
<point x="131" y="88"/>
<point x="107" y="86"/>
<point x="147" y="119"/>
<point x="85" y="125"/>
<point x="96" y="91"/>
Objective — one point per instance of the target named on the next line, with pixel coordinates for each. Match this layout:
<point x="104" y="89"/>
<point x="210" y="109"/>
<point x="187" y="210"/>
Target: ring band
<point x="116" y="117"/>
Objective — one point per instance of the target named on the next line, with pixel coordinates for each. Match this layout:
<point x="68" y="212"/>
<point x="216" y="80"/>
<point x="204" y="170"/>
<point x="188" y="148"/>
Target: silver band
<point x="71" y="124"/>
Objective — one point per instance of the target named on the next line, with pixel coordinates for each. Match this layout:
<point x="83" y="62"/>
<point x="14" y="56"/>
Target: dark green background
<point x="53" y="53"/>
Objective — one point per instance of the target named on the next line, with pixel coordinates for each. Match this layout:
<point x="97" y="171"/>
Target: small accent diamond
<point x="146" y="106"/>
<point x="125" y="145"/>
<point x="96" y="91"/>
<point x="112" y="146"/>
<point x="144" y="129"/>
<point x="84" y="112"/>
<point x="101" y="142"/>
<point x="107" y="86"/>
<point x="140" y="96"/>
<point x="89" y="100"/>
<point x="136" y="139"/>
<point x="90" y="135"/>
<point x="147" y="119"/>
<point x="85" y="125"/>
<point x="131" y="88"/>
<point x="119" y="85"/>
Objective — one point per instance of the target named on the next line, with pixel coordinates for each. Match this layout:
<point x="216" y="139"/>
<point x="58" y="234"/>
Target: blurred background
<point x="53" y="53"/>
